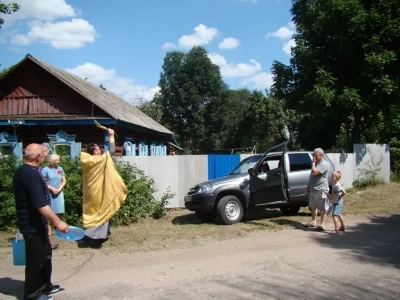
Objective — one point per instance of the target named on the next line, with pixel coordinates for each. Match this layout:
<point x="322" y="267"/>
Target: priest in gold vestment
<point x="103" y="192"/>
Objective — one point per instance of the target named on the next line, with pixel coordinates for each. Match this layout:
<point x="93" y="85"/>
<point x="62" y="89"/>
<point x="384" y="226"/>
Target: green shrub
<point x="395" y="157"/>
<point x="139" y="203"/>
<point x="73" y="190"/>
<point x="8" y="165"/>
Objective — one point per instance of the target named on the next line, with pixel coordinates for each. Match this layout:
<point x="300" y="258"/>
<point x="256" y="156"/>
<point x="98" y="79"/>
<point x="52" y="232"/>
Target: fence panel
<point x="220" y="165"/>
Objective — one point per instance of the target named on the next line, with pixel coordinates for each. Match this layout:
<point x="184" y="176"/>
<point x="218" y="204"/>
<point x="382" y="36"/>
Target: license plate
<point x="188" y="199"/>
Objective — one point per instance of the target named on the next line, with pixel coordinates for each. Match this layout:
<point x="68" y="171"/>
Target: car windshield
<point x="245" y="164"/>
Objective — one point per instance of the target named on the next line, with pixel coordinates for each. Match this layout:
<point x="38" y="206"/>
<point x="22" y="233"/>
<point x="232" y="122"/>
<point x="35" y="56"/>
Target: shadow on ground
<point x="377" y="241"/>
<point x="278" y="287"/>
<point x="252" y="217"/>
<point x="12" y="287"/>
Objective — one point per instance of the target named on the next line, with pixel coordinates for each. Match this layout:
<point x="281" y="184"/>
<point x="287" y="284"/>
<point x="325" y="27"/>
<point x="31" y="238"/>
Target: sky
<point x="121" y="44"/>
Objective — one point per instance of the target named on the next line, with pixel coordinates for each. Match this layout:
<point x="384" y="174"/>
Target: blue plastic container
<point x="74" y="234"/>
<point x="18" y="247"/>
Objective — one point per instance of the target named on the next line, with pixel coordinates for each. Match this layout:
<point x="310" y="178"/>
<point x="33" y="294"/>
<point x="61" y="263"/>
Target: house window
<point x="62" y="149"/>
<point x="9" y="145"/>
<point x="64" y="144"/>
<point x="6" y="150"/>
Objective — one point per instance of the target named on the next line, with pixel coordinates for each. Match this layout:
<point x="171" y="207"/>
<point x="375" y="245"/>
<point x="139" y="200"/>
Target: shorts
<point x="337" y="208"/>
<point x="319" y="200"/>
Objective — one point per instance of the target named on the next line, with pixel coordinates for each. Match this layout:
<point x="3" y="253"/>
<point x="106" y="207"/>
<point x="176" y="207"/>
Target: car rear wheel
<point x="290" y="210"/>
<point x="205" y="217"/>
<point x="229" y="210"/>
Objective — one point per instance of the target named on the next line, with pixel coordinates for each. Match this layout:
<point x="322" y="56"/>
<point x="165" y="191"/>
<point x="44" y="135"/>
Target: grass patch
<point x="181" y="229"/>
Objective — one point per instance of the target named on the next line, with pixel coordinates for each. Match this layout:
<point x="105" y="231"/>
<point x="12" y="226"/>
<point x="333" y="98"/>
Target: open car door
<point x="268" y="177"/>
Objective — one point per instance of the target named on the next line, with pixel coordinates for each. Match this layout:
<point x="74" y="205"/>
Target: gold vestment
<point x="103" y="189"/>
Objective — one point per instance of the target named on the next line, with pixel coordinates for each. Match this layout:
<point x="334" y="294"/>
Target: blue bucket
<point x="18" y="247"/>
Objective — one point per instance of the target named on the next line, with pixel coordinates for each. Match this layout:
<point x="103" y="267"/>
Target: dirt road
<point x="298" y="263"/>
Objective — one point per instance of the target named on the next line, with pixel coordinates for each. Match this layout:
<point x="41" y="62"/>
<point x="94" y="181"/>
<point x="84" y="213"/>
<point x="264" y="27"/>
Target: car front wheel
<point x="229" y="210"/>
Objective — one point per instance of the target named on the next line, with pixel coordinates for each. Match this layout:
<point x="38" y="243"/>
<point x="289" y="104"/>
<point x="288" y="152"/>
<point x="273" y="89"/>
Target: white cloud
<point x="252" y="71"/>
<point x="229" y="43"/>
<point x="124" y="87"/>
<point x="202" y="35"/>
<point x="61" y="35"/>
<point x="260" y="80"/>
<point x="235" y="70"/>
<point x="47" y="10"/>
<point x="287" y="47"/>
<point x="285" y="32"/>
<point x="168" y="45"/>
<point x="93" y="72"/>
<point x="41" y="17"/>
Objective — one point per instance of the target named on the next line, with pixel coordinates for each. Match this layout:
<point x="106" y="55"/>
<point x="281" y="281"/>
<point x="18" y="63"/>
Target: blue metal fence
<point x="221" y="164"/>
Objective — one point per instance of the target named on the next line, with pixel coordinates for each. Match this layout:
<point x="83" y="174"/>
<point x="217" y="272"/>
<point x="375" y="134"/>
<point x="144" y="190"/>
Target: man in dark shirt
<point x="33" y="213"/>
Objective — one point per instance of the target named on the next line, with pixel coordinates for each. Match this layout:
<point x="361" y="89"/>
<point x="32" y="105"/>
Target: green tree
<point x="343" y="76"/>
<point x="8" y="9"/>
<point x="191" y="93"/>
<point x="151" y="108"/>
<point x="236" y="105"/>
<point x="5" y="70"/>
<point x="264" y="121"/>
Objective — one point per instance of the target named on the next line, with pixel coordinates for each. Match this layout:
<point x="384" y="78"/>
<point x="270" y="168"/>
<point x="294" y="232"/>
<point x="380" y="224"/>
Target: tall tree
<point x="151" y="108"/>
<point x="344" y="69"/>
<point x="191" y="90"/>
<point x="5" y="70"/>
<point x="236" y="104"/>
<point x="8" y="9"/>
<point x="264" y="121"/>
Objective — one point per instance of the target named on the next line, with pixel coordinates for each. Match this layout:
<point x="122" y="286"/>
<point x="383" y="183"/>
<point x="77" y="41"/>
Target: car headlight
<point x="206" y="189"/>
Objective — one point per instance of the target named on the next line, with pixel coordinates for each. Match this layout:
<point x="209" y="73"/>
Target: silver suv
<point x="275" y="179"/>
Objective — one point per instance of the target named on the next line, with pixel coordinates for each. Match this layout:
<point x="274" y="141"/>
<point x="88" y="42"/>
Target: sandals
<point x="310" y="225"/>
<point x="319" y="228"/>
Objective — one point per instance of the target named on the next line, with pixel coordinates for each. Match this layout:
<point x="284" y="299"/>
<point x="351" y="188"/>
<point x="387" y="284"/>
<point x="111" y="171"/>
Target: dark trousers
<point x="38" y="264"/>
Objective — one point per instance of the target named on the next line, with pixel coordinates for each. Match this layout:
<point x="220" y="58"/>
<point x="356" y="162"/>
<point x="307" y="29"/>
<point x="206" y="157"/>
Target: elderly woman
<point x="54" y="176"/>
<point x="103" y="193"/>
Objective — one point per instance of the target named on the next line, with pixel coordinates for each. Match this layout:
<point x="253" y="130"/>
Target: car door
<point x="268" y="177"/>
<point x="298" y="175"/>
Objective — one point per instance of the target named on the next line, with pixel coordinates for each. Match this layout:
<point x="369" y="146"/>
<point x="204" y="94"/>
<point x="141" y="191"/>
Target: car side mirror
<point x="251" y="172"/>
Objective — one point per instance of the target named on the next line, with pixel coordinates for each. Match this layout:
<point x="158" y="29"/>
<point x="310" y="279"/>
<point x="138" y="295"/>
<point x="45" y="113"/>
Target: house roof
<point x="113" y="105"/>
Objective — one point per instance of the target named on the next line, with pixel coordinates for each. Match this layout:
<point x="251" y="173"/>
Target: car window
<point x="299" y="161"/>
<point x="245" y="164"/>
<point x="270" y="163"/>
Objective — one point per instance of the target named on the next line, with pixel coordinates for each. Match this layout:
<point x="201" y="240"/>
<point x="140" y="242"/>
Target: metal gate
<point x="220" y="165"/>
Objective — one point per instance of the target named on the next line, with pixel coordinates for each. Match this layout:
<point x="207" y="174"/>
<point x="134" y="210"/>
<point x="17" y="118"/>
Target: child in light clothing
<point x="337" y="203"/>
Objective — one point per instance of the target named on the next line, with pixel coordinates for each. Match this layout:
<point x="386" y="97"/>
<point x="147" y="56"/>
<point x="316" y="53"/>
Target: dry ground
<point x="181" y="229"/>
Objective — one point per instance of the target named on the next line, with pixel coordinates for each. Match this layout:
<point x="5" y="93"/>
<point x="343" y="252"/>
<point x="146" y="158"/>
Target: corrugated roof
<point x="115" y="106"/>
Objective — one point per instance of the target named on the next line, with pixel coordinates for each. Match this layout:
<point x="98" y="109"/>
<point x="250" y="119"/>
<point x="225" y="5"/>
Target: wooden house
<point x="40" y="103"/>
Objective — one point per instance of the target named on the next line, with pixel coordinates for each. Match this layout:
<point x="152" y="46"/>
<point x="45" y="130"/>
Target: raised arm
<point x="111" y="146"/>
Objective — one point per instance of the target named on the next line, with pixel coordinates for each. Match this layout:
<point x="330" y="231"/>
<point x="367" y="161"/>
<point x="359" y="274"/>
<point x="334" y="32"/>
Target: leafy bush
<point x="139" y="203"/>
<point x="8" y="165"/>
<point x="73" y="190"/>
<point x="395" y="157"/>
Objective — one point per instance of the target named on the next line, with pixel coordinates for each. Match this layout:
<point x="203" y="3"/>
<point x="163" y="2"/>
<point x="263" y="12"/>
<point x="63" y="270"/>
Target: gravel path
<point x="298" y="263"/>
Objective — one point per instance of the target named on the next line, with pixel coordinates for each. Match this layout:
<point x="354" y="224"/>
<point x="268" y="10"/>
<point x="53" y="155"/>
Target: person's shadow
<point x="12" y="287"/>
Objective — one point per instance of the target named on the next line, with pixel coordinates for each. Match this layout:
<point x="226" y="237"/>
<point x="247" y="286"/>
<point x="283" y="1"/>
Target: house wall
<point x="44" y="105"/>
<point x="44" y="96"/>
<point x="180" y="173"/>
<point x="85" y="134"/>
